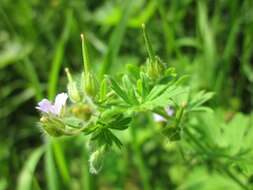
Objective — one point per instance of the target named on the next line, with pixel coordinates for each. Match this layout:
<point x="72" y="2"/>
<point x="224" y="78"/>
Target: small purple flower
<point x="47" y="107"/>
<point x="159" y="118"/>
<point x="169" y="111"/>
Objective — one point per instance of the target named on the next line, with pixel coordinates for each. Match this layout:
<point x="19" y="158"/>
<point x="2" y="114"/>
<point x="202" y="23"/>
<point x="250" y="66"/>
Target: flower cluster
<point x="99" y="109"/>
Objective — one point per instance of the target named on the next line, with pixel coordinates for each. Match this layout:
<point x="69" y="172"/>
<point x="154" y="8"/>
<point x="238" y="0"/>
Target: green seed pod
<point x="73" y="92"/>
<point x="52" y="126"/>
<point x="89" y="84"/>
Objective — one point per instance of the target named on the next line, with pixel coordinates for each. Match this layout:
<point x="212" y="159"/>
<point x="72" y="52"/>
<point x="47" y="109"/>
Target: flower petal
<point x="158" y="118"/>
<point x="44" y="105"/>
<point x="60" y="101"/>
<point x="169" y="111"/>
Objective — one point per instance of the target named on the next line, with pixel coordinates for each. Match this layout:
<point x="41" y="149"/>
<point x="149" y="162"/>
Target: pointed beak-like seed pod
<point x="154" y="65"/>
<point x="89" y="82"/>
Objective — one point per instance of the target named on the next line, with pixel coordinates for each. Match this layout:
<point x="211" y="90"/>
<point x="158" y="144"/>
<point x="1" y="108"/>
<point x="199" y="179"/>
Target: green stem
<point x="86" y="180"/>
<point x="139" y="161"/>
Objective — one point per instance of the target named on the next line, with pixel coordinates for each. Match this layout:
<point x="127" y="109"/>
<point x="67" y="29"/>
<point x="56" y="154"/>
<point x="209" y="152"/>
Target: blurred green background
<point x="209" y="40"/>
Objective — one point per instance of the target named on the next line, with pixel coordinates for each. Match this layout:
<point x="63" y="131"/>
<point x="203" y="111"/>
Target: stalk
<point x="85" y="179"/>
<point x="139" y="161"/>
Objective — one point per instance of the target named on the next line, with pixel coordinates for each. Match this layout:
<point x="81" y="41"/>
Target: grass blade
<point x="50" y="169"/>
<point x="25" y="179"/>
<point x="58" y="57"/>
<point x="116" y="39"/>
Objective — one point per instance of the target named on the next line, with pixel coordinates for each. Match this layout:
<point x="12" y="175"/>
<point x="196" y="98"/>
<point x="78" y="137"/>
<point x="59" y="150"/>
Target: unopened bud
<point x="82" y="111"/>
<point x="53" y="126"/>
<point x="96" y="160"/>
<point x="72" y="88"/>
<point x="154" y="68"/>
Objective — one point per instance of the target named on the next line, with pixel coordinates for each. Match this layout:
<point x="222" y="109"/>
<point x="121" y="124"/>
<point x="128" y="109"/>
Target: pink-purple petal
<point x="169" y="111"/>
<point x="158" y="118"/>
<point x="60" y="101"/>
<point x="45" y="106"/>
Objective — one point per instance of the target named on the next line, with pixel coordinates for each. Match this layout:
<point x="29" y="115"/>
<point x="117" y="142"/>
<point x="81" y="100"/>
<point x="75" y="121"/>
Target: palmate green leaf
<point x="96" y="133"/>
<point x="172" y="133"/>
<point x="90" y="129"/>
<point x="158" y="90"/>
<point x="120" y="122"/>
<point x="104" y="136"/>
<point x="115" y="119"/>
<point x="133" y="70"/>
<point x="143" y="87"/>
<point x="115" y="139"/>
<point x="162" y="97"/>
<point x="119" y="91"/>
<point x="197" y="100"/>
<point x="129" y="89"/>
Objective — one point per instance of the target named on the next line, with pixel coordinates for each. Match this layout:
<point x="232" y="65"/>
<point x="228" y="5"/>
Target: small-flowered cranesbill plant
<point x="99" y="109"/>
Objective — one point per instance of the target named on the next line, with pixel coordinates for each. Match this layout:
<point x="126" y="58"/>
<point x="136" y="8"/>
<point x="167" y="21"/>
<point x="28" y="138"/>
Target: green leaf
<point x="120" y="122"/>
<point x="161" y="96"/>
<point x="90" y="129"/>
<point x="130" y="89"/>
<point x="96" y="133"/>
<point x="199" y="99"/>
<point x="115" y="139"/>
<point x="118" y="90"/>
<point x="133" y="70"/>
<point x="172" y="133"/>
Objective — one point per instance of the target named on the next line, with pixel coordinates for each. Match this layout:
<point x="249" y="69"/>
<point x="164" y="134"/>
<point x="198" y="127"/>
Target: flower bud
<point x="154" y="68"/>
<point x="72" y="88"/>
<point x="96" y="159"/>
<point x="52" y="125"/>
<point x="82" y="111"/>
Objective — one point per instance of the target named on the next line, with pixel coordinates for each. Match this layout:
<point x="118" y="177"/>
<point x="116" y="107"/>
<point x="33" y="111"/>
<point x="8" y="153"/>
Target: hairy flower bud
<point x="73" y="92"/>
<point x="154" y="68"/>
<point x="96" y="159"/>
<point x="53" y="126"/>
<point x="82" y="111"/>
